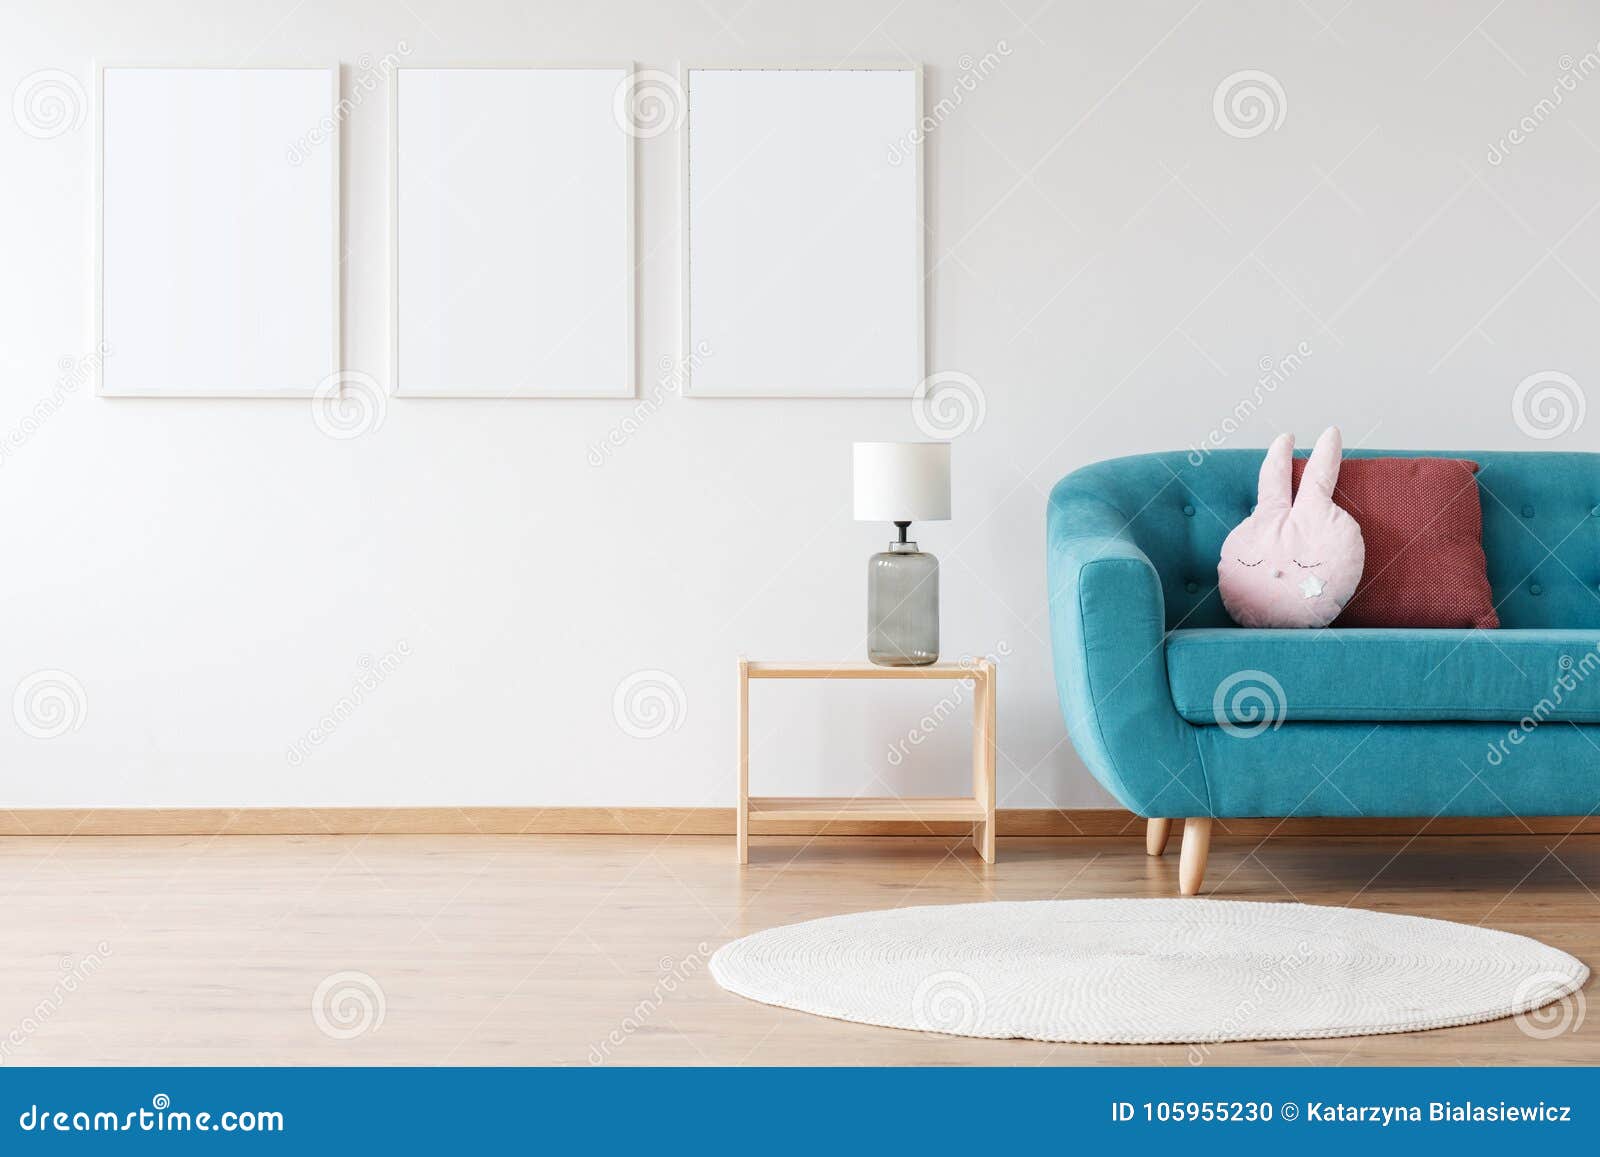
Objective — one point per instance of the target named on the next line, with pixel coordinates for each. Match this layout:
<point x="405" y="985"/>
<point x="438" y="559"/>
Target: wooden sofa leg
<point x="1192" y="860"/>
<point x="1155" y="836"/>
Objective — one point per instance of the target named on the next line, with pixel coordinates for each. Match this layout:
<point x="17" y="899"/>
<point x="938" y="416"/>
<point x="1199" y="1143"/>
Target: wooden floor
<point x="591" y="949"/>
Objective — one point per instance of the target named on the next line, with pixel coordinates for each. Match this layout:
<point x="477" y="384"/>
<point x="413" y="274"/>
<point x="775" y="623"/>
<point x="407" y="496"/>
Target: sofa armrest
<point x="1108" y="629"/>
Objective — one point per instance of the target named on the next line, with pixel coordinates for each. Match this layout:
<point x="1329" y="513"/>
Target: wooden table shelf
<point x="757" y="670"/>
<point x="928" y="809"/>
<point x="977" y="809"/>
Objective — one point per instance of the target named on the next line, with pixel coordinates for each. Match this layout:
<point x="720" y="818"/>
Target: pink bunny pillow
<point x="1293" y="564"/>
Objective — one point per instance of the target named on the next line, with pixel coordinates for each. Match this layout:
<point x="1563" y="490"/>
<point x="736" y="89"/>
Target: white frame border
<point x="685" y="322"/>
<point x="335" y="142"/>
<point x="630" y="388"/>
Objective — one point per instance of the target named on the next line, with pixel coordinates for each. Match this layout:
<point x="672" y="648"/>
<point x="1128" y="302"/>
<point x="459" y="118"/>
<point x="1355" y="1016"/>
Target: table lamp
<point x="902" y="483"/>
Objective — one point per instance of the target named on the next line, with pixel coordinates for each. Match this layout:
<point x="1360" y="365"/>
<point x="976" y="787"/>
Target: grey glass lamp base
<point x="903" y="606"/>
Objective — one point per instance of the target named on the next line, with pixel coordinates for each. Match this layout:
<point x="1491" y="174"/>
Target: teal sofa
<point x="1181" y="714"/>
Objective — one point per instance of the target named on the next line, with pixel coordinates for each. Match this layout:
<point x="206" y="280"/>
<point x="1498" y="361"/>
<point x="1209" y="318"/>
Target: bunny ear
<point x="1322" y="471"/>
<point x="1276" y="481"/>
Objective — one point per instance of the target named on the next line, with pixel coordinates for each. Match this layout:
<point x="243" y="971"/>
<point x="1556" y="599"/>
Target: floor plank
<point x="591" y="949"/>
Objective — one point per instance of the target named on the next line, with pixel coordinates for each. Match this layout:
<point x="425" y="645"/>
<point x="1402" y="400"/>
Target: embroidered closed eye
<point x="1306" y="565"/>
<point x="1241" y="562"/>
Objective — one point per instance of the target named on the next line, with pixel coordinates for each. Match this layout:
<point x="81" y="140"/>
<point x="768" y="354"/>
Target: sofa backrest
<point x="1541" y="525"/>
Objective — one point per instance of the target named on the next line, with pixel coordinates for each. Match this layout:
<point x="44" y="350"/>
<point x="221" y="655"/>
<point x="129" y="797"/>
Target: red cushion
<point x="1423" y="525"/>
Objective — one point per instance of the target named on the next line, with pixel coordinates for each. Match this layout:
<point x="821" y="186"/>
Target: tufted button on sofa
<point x="1180" y="713"/>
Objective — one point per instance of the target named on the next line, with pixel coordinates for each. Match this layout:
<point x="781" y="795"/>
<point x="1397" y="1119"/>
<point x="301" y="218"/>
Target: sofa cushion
<point x="1422" y="523"/>
<point x="1541" y="525"/>
<point x="1256" y="678"/>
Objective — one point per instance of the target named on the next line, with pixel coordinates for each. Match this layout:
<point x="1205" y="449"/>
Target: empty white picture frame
<point x="217" y="220"/>
<point x="511" y="232"/>
<point x="803" y="243"/>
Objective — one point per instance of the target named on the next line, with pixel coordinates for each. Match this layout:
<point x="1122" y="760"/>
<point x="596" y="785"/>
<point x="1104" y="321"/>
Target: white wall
<point x="1106" y="262"/>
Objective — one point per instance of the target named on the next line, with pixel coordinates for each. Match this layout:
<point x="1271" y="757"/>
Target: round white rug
<point x="1154" y="971"/>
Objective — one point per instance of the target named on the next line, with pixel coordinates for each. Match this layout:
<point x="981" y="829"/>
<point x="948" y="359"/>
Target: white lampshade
<point x="902" y="481"/>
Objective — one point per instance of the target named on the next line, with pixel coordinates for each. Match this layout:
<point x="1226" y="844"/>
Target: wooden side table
<point x="978" y="808"/>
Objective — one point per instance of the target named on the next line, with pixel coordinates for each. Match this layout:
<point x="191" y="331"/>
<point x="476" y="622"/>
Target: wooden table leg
<point x="983" y="758"/>
<point x="742" y="816"/>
